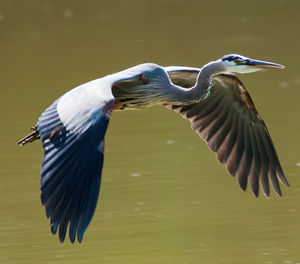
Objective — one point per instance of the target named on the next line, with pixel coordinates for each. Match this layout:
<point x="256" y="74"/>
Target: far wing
<point x="72" y="131"/>
<point x="230" y="124"/>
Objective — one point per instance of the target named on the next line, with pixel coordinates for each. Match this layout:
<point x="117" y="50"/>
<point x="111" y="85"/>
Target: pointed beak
<point x="264" y="64"/>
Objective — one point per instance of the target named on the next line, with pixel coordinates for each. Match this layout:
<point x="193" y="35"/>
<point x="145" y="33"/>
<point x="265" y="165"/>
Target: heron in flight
<point x="215" y="101"/>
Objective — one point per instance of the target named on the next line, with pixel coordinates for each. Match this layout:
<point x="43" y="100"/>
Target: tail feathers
<point x="34" y="135"/>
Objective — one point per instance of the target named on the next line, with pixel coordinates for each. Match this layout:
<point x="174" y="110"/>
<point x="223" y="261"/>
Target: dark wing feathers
<point x="71" y="172"/>
<point x="230" y="124"/>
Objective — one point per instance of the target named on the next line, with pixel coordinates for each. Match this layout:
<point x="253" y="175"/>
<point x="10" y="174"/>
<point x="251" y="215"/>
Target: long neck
<point x="202" y="86"/>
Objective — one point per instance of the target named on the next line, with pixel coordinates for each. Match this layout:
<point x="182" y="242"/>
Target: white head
<point x="236" y="63"/>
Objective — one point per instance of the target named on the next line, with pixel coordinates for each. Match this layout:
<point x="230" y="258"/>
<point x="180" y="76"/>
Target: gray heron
<point x="220" y="110"/>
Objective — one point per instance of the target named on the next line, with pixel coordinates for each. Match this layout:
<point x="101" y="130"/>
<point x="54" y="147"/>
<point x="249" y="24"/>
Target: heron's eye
<point x="237" y="61"/>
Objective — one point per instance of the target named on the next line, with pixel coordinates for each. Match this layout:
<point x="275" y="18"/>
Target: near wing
<point x="73" y="159"/>
<point x="230" y="124"/>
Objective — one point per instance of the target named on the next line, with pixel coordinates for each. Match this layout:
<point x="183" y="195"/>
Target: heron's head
<point x="240" y="64"/>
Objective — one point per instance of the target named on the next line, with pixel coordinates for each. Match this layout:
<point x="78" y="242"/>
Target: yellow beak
<point x="264" y="64"/>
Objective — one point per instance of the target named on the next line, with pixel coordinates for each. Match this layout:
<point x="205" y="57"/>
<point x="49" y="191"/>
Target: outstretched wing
<point x="72" y="131"/>
<point x="230" y="124"/>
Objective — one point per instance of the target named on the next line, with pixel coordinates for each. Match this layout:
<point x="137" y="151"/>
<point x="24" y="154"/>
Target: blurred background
<point x="164" y="197"/>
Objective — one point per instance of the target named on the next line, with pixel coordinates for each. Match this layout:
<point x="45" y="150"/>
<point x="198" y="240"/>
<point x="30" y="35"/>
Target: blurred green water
<point x="164" y="198"/>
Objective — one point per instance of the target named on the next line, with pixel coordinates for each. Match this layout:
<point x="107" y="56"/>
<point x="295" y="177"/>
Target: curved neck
<point x="201" y="89"/>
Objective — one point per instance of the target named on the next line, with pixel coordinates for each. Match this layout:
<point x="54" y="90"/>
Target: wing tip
<point x="79" y="238"/>
<point x="283" y="179"/>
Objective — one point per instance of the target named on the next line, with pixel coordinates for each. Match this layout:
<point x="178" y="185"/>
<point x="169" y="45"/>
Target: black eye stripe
<point x="230" y="58"/>
<point x="235" y="58"/>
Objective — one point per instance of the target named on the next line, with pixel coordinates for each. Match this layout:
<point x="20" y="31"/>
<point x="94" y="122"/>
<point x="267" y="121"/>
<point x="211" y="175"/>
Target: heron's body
<point x="220" y="109"/>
